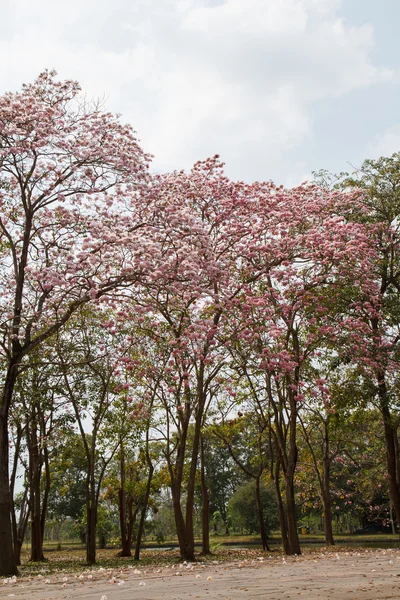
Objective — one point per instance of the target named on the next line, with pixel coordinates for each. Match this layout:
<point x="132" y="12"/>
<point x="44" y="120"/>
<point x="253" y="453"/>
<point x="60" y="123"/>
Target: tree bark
<point x="46" y="491"/>
<point x="205" y="509"/>
<point x="326" y="501"/>
<point x="35" y="468"/>
<point x="126" y="540"/>
<point x="390" y="434"/>
<point x="144" y="510"/>
<point x="189" y="550"/>
<point x="281" y="509"/>
<point x="263" y="533"/>
<point x="179" y="522"/>
<point x="293" y="538"/>
<point x="8" y="565"/>
<point x="91" y="509"/>
<point x="91" y="515"/>
<point x="282" y="519"/>
<point x="20" y="527"/>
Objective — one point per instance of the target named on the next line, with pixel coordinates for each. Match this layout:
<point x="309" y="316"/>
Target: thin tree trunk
<point x="8" y="565"/>
<point x="144" y="510"/>
<point x="263" y="533"/>
<point x="326" y="500"/>
<point x="281" y="508"/>
<point x="122" y="506"/>
<point x="176" y="475"/>
<point x="205" y="510"/>
<point x="189" y="549"/>
<point x="91" y="510"/>
<point x="20" y="527"/>
<point x="45" y="493"/>
<point x="35" y="473"/>
<point x="179" y="521"/>
<point x="293" y="538"/>
<point x="390" y="434"/>
<point x="391" y="517"/>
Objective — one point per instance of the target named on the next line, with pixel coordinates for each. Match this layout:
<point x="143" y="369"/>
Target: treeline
<point x="144" y="313"/>
<point x="359" y="492"/>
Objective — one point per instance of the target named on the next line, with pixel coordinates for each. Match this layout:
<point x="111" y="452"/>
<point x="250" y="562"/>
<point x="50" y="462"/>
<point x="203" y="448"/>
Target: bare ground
<point x="351" y="575"/>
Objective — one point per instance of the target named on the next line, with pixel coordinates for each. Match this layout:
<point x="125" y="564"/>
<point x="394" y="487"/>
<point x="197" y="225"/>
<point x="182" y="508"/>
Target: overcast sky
<point x="278" y="88"/>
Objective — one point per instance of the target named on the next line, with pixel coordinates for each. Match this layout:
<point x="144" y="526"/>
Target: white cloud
<point x="386" y="144"/>
<point x="197" y="77"/>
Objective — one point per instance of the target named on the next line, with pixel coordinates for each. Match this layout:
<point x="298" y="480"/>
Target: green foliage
<point x="242" y="508"/>
<point x="162" y="525"/>
<point x="68" y="475"/>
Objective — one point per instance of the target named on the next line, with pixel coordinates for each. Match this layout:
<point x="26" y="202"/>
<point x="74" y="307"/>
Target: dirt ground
<point x="352" y="575"/>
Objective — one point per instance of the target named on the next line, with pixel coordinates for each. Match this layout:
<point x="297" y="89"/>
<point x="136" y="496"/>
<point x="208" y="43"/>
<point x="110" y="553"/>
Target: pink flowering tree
<point x="63" y="165"/>
<point x="277" y="324"/>
<point x="372" y="316"/>
<point x="180" y="307"/>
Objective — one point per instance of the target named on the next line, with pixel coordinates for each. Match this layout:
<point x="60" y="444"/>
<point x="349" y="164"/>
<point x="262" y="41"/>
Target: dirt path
<point x="364" y="575"/>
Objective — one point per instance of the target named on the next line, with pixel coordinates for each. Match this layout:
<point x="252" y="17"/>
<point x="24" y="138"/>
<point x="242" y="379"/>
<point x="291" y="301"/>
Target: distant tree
<point x="242" y="508"/>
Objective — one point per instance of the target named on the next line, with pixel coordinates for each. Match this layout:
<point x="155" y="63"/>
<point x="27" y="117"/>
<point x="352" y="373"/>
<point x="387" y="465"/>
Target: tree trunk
<point x="20" y="527"/>
<point x="390" y="434"/>
<point x="122" y="506"/>
<point x="144" y="510"/>
<point x="125" y="539"/>
<point x="91" y="515"/>
<point x="293" y="538"/>
<point x="8" y="565"/>
<point x="290" y="467"/>
<point x="326" y="501"/>
<point x="328" y="529"/>
<point x="391" y="517"/>
<point x="34" y="474"/>
<point x="205" y="509"/>
<point x="36" y="540"/>
<point x="263" y="533"/>
<point x="189" y="549"/>
<point x="179" y="521"/>
<point x="281" y="509"/>
<point x="45" y="493"/>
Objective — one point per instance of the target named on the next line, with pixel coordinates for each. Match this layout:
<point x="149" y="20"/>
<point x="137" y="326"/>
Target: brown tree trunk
<point x="263" y="533"/>
<point x="326" y="501"/>
<point x="8" y="565"/>
<point x="205" y="509"/>
<point x="281" y="508"/>
<point x="35" y="468"/>
<point x="91" y="515"/>
<point x="126" y="540"/>
<point x="179" y="521"/>
<point x="36" y="539"/>
<point x="20" y="527"/>
<point x="144" y="510"/>
<point x="293" y="538"/>
<point x="126" y="547"/>
<point x="176" y="475"/>
<point x="91" y="511"/>
<point x="189" y="549"/>
<point x="390" y="434"/>
<point x="122" y="506"/>
<point x="46" y="493"/>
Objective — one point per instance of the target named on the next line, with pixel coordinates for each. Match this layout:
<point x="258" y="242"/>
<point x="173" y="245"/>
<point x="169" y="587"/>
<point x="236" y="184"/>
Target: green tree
<point x="242" y="508"/>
